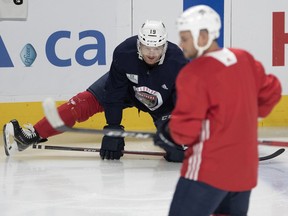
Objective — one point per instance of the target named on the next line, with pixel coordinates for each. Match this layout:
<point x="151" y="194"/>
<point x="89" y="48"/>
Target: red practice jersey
<point x="220" y="96"/>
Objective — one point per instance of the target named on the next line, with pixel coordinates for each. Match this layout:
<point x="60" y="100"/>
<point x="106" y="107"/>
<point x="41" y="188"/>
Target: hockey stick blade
<point x="66" y="148"/>
<point x="57" y="123"/>
<point x="273" y="155"/>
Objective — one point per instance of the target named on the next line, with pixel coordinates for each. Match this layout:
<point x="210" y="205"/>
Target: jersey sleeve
<point x="269" y="91"/>
<point x="115" y="92"/>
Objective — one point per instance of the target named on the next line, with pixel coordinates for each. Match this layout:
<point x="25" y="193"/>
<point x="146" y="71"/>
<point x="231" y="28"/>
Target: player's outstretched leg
<point x="17" y="138"/>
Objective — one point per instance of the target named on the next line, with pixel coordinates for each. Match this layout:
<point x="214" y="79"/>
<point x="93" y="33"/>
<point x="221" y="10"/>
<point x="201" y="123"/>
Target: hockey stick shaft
<point x="57" y="123"/>
<point x="149" y="153"/>
<point x="273" y="143"/>
<point x="66" y="148"/>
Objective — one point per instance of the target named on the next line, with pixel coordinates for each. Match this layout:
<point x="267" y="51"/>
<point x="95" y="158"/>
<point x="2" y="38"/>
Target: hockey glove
<point x="174" y="152"/>
<point x="112" y="147"/>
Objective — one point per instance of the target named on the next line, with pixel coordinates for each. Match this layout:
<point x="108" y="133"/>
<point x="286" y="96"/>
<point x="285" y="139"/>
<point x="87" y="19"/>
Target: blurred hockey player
<point x="142" y="74"/>
<point x="220" y="95"/>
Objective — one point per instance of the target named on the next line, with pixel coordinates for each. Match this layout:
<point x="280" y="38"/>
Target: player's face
<point x="187" y="45"/>
<point x="151" y="55"/>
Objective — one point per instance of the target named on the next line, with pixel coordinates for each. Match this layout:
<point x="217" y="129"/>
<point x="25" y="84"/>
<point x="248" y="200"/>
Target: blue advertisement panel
<point x="216" y="5"/>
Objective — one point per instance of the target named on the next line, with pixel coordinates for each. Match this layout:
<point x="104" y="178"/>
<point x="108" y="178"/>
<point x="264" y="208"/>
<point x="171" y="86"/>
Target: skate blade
<point x="10" y="145"/>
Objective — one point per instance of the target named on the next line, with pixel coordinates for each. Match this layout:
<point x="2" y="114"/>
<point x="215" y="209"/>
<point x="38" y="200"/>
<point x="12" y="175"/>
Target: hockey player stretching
<point x="142" y="74"/>
<point x="220" y="95"/>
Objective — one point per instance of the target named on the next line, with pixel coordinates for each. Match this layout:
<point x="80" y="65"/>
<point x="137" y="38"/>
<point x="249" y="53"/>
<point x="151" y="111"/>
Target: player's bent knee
<point x="83" y="106"/>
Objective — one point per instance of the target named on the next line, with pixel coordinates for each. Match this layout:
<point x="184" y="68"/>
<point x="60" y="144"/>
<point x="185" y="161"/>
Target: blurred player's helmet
<point x="153" y="34"/>
<point x="200" y="17"/>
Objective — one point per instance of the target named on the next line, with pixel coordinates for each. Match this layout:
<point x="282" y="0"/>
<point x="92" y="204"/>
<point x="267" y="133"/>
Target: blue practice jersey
<point x="132" y="82"/>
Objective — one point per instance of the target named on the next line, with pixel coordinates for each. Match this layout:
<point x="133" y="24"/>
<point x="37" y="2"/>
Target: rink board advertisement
<point x="59" y="48"/>
<point x="64" y="46"/>
<point x="59" y="51"/>
<point x="261" y="27"/>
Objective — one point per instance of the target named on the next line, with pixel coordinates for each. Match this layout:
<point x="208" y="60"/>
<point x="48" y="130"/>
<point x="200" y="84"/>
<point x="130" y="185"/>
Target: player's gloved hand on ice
<point x="112" y="147"/>
<point x="174" y="152"/>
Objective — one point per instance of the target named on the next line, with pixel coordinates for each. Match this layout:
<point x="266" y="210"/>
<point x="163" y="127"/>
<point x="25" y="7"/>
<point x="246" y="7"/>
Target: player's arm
<point x="116" y="89"/>
<point x="115" y="92"/>
<point x="269" y="91"/>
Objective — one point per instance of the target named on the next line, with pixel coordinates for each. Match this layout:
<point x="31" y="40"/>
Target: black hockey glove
<point x="112" y="147"/>
<point x="174" y="152"/>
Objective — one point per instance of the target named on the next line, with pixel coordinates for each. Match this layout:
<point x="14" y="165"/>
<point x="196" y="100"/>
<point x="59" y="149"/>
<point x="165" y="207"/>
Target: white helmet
<point x="198" y="18"/>
<point x="153" y="33"/>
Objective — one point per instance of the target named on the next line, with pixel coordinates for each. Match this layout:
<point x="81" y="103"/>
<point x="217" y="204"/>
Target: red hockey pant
<point x="78" y="109"/>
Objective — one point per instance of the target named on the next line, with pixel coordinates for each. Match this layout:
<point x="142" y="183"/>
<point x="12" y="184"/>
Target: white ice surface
<point x="53" y="183"/>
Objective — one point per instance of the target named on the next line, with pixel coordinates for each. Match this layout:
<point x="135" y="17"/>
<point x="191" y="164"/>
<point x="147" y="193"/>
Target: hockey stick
<point x="55" y="120"/>
<point x="66" y="148"/>
<point x="273" y="143"/>
<point x="57" y="123"/>
<point x="150" y="153"/>
<point x="273" y="155"/>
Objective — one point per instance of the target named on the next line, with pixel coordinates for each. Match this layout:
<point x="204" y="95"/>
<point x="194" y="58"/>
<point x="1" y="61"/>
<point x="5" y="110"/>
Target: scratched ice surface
<point x="51" y="182"/>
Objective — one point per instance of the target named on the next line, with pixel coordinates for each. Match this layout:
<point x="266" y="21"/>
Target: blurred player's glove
<point x="174" y="152"/>
<point x="112" y="147"/>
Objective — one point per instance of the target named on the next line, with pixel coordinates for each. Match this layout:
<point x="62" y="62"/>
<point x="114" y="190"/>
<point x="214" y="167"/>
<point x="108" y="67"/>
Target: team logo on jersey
<point x="133" y="78"/>
<point x="28" y="55"/>
<point x="150" y="98"/>
<point x="164" y="87"/>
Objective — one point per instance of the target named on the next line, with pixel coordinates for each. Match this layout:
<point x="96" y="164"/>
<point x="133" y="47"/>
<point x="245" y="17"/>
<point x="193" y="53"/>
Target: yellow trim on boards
<point x="279" y="115"/>
<point x="31" y="112"/>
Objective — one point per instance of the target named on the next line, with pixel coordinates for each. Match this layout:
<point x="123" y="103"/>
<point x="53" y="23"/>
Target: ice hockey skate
<point x="17" y="138"/>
